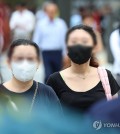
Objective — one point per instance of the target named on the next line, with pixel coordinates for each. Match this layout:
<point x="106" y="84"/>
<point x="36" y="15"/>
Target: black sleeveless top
<point x="80" y="101"/>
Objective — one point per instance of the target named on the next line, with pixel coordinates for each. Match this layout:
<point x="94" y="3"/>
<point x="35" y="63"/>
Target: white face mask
<point x="24" y="70"/>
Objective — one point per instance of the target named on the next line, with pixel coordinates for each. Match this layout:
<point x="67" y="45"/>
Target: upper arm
<point x="13" y="21"/>
<point x="52" y="83"/>
<point x="52" y="94"/>
<point x="37" y="35"/>
<point x="113" y="84"/>
<point x="115" y="96"/>
<point x="30" y="26"/>
<point x="55" y="102"/>
<point x="64" y="31"/>
<point x="114" y="44"/>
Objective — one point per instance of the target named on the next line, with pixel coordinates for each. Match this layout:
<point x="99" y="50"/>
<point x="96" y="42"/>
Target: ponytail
<point x="94" y="62"/>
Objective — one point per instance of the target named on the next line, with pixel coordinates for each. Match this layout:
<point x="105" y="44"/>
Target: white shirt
<point x="115" y="49"/>
<point x="40" y="14"/>
<point x="50" y="35"/>
<point x="22" y="23"/>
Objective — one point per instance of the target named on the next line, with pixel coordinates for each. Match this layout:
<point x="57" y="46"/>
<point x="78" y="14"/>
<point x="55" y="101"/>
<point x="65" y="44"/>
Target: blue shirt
<point x="50" y="35"/>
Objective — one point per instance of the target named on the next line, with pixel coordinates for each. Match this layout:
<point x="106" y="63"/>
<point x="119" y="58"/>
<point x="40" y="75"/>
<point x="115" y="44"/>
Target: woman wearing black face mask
<point x="79" y="86"/>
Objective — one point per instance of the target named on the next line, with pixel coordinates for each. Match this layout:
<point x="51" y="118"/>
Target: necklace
<point x="34" y="97"/>
<point x="84" y="77"/>
<point x="14" y="106"/>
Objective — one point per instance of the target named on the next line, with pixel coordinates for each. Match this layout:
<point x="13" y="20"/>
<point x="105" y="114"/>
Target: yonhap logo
<point x="97" y="125"/>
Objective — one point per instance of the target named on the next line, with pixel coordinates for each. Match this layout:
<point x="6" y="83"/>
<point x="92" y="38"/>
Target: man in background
<point x="22" y="22"/>
<point x="50" y="36"/>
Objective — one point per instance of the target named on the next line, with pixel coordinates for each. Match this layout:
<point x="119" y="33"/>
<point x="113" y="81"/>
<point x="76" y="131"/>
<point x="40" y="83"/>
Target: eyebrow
<point x="83" y="38"/>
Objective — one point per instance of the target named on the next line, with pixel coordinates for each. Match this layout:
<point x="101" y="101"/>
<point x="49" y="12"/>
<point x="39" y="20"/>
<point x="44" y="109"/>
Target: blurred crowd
<point x="48" y="30"/>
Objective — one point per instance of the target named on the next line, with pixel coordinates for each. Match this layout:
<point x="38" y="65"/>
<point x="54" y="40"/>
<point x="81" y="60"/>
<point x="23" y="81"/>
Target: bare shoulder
<point x="64" y="72"/>
<point x="6" y="84"/>
<point x="94" y="70"/>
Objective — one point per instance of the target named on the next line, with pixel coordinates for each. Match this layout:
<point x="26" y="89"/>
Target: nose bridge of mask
<point x="26" y="62"/>
<point x="24" y="65"/>
<point x="29" y="65"/>
<point x="86" y="49"/>
<point x="84" y="46"/>
<point x="81" y="48"/>
<point x="21" y="65"/>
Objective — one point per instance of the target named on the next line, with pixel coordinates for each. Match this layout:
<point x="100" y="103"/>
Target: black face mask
<point x="79" y="54"/>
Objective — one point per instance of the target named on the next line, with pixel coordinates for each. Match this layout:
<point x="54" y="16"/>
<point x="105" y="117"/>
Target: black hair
<point x="93" y="61"/>
<point x="85" y="28"/>
<point x="23" y="42"/>
<point x="22" y="4"/>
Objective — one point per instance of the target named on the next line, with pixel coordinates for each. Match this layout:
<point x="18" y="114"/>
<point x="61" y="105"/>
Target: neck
<point x="20" y="86"/>
<point x="80" y="69"/>
<point x="21" y="11"/>
<point x="51" y="19"/>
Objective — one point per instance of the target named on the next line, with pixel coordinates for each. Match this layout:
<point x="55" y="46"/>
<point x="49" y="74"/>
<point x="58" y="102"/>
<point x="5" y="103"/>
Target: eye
<point x="73" y="41"/>
<point x="85" y="41"/>
<point x="30" y="59"/>
<point x="19" y="58"/>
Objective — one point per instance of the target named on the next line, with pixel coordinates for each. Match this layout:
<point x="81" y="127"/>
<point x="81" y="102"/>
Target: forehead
<point x="51" y="7"/>
<point x="24" y="49"/>
<point x="79" y="33"/>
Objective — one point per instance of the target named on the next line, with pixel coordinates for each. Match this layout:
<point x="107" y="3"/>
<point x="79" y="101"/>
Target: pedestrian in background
<point x="50" y="36"/>
<point x="115" y="49"/>
<point x="22" y="22"/>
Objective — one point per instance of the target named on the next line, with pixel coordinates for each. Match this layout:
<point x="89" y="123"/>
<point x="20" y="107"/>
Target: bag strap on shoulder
<point x="105" y="82"/>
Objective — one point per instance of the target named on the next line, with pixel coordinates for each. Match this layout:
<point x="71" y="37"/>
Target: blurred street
<point x="74" y="54"/>
<point x="19" y="19"/>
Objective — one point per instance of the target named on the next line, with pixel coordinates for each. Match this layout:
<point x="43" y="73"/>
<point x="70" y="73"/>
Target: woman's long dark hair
<point x="93" y="60"/>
